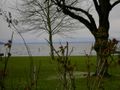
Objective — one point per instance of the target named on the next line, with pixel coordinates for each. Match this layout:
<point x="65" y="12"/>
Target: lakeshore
<point x="42" y="49"/>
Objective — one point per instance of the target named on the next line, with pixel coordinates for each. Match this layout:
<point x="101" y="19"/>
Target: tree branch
<point x="81" y="19"/>
<point x="90" y="24"/>
<point x="115" y="3"/>
<point x="97" y="7"/>
<point x="85" y="12"/>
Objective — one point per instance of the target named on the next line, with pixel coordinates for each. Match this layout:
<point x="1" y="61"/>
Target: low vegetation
<point x="18" y="73"/>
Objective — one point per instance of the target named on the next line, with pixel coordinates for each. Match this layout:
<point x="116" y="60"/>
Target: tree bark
<point x="50" y="30"/>
<point x="100" y="46"/>
<point x="51" y="46"/>
<point x="101" y="38"/>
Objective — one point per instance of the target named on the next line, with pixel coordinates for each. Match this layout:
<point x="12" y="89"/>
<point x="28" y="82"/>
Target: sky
<point x="76" y="36"/>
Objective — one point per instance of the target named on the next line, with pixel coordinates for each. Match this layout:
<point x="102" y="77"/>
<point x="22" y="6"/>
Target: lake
<point x="42" y="49"/>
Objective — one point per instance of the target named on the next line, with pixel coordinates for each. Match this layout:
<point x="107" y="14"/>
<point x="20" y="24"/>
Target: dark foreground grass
<point x="19" y="67"/>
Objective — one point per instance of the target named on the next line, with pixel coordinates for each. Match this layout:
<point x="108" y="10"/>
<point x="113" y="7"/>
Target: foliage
<point x="5" y="60"/>
<point x="65" y="68"/>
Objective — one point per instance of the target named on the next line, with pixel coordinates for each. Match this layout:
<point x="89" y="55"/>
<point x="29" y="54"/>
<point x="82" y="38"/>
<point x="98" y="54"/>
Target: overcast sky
<point x="79" y="35"/>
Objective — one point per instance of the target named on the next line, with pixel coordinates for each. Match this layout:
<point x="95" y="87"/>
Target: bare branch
<point x="115" y="3"/>
<point x="85" y="12"/>
<point x="67" y="10"/>
<point x="97" y="7"/>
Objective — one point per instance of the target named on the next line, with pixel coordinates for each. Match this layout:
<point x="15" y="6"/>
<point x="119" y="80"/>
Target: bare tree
<point x="100" y="31"/>
<point x="41" y="15"/>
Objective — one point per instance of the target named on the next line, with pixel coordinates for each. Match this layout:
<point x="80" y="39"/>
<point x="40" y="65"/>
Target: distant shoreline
<point x="48" y="56"/>
<point x="42" y="49"/>
<point x="54" y="42"/>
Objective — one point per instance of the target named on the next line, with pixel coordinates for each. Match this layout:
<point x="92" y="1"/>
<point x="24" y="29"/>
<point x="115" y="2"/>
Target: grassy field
<point x="18" y="70"/>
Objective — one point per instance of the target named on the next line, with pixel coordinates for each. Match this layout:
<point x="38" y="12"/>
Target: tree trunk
<point x="102" y="64"/>
<point x="50" y="30"/>
<point x="100" y="46"/>
<point x="51" y="46"/>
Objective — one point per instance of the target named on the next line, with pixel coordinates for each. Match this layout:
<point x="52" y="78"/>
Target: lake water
<point x="42" y="49"/>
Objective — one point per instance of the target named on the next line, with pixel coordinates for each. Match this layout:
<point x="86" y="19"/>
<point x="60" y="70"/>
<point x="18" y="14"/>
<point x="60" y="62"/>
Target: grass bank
<point x="19" y="68"/>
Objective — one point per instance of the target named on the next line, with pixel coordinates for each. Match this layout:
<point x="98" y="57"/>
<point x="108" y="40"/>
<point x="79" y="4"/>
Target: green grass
<point x="19" y="67"/>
